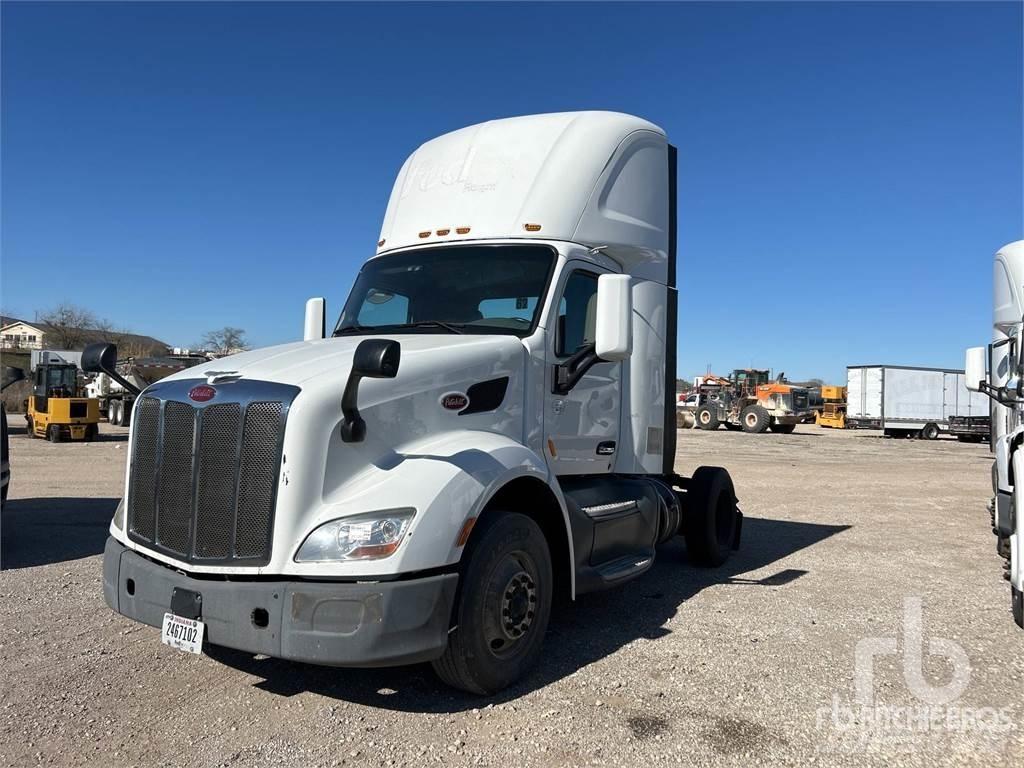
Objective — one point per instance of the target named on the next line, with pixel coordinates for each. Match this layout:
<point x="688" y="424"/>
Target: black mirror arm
<point x="353" y="428"/>
<point x="569" y="373"/>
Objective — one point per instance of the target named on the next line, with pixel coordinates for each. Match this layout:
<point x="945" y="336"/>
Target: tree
<point x="227" y="340"/>
<point x="67" y="326"/>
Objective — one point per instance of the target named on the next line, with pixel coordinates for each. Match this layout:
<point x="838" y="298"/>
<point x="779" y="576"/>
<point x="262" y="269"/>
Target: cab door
<point x="582" y="427"/>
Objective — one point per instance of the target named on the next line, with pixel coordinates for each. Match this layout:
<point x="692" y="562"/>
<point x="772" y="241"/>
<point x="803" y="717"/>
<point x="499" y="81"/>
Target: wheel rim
<point x="705" y="417"/>
<point x="751" y="419"/>
<point x="510" y="606"/>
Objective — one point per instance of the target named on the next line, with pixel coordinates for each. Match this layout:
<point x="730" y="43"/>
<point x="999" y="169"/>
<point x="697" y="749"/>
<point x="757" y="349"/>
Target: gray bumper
<point x="338" y="624"/>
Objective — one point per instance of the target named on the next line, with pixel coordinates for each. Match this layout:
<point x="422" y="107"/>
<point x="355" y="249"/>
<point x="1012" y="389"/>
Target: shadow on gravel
<point x="52" y="530"/>
<point x="580" y="633"/>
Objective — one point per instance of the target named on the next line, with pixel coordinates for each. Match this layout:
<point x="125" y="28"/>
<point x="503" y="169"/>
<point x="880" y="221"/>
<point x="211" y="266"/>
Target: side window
<point x="577" y="313"/>
<point x="384" y="308"/>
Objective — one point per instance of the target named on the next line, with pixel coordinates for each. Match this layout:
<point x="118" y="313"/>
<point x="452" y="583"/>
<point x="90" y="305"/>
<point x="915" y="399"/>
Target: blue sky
<point x="846" y="170"/>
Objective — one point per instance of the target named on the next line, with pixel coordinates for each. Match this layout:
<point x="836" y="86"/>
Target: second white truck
<point x="998" y="372"/>
<point x="490" y="424"/>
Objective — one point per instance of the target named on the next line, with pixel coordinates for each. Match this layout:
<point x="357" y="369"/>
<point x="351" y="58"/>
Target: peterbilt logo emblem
<point x="202" y="392"/>
<point x="454" y="401"/>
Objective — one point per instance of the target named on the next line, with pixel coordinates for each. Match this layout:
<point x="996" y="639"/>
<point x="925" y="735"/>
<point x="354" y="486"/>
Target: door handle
<point x="607" y="448"/>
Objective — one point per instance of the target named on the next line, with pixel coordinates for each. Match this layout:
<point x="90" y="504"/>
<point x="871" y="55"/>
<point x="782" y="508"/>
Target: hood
<point x="300" y="362"/>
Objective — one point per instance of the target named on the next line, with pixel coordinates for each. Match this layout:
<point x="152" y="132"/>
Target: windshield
<point x="461" y="289"/>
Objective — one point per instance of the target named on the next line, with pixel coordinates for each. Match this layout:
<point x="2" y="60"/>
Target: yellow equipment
<point x="833" y="414"/>
<point x="55" y="411"/>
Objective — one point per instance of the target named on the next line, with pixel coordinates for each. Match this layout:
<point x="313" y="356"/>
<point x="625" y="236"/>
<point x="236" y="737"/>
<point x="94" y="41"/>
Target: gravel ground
<point x="750" y="663"/>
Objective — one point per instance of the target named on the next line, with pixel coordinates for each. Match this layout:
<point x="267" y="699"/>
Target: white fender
<point x="448" y="478"/>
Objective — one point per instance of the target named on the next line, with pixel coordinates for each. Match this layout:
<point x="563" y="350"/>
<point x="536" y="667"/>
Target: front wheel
<point x="503" y="606"/>
<point x="754" y="419"/>
<point x="707" y="418"/>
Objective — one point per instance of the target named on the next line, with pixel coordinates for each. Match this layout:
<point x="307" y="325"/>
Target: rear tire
<point x="1017" y="598"/>
<point x="54" y="433"/>
<point x="30" y="427"/>
<point x="930" y="431"/>
<point x="91" y="431"/>
<point x="502" y="607"/>
<point x="707" y="418"/>
<point x="783" y="429"/>
<point x="710" y="518"/>
<point x="755" y="419"/>
<point x="114" y="412"/>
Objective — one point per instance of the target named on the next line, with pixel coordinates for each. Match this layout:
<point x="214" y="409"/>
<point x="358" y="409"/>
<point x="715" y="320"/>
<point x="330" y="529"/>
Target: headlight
<point x="361" y="537"/>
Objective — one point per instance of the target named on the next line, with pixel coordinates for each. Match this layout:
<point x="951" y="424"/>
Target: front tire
<point x="1018" y="606"/>
<point x="503" y="605"/>
<point x="54" y="433"/>
<point x="707" y="418"/>
<point x="755" y="419"/>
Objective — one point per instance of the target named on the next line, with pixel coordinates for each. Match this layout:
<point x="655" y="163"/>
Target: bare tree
<point x="67" y="325"/>
<point x="226" y="340"/>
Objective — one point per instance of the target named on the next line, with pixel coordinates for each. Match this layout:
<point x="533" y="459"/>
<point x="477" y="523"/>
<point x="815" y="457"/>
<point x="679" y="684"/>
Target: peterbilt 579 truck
<point x="1003" y="382"/>
<point x="489" y="425"/>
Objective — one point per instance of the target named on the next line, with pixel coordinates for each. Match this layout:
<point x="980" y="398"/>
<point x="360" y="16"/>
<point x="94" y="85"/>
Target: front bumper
<point x="374" y="624"/>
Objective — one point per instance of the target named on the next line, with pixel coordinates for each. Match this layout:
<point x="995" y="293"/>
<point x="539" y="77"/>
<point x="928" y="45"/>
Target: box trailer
<point x="907" y="401"/>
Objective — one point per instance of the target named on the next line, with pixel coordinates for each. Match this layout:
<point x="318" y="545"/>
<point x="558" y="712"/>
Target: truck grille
<point x="203" y="479"/>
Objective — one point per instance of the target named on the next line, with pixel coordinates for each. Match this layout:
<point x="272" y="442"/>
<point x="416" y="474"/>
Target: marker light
<point x="425" y="234"/>
<point x="443" y="232"/>
<point x="380" y="243"/>
<point x="361" y="537"/>
<point x="531" y="227"/>
<point x="462" y="230"/>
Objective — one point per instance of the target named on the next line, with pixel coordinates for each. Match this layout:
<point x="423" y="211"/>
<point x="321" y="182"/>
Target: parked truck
<point x="907" y="401"/>
<point x="116" y="400"/>
<point x="997" y="372"/>
<point x="490" y="424"/>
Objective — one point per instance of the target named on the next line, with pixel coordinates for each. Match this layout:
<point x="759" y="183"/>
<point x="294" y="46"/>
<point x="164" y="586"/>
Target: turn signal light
<point x="531" y="227"/>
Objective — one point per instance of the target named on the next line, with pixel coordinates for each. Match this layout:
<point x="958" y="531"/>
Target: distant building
<point x="21" y="335"/>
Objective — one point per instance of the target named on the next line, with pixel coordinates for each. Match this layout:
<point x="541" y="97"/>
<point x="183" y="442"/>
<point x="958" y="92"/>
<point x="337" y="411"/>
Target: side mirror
<point x="315" y="312"/>
<point x="11" y="375"/>
<point x="613" y="335"/>
<point x="99" y="358"/>
<point x="374" y="359"/>
<point x="974" y="363"/>
<point x="102" y="358"/>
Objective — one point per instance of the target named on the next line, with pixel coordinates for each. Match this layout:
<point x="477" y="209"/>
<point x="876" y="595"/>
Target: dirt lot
<point x="751" y="663"/>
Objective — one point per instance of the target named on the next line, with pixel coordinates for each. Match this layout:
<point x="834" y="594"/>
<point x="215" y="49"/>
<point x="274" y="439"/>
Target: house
<point x="21" y="335"/>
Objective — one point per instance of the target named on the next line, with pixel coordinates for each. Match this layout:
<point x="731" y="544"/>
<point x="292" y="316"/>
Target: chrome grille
<point x="203" y="479"/>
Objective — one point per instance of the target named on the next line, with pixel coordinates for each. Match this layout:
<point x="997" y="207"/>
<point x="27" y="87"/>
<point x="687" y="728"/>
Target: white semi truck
<point x="490" y="424"/>
<point x="1003" y="382"/>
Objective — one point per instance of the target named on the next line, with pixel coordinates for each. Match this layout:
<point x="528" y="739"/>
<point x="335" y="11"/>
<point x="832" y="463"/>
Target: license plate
<point x="183" y="634"/>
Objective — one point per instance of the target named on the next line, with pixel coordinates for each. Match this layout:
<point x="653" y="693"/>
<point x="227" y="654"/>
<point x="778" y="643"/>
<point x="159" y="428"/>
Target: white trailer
<point x="1003" y="383"/>
<point x="907" y="401"/>
<point x="491" y="423"/>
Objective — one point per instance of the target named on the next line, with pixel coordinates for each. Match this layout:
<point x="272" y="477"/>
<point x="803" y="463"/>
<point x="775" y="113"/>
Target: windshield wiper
<point x="450" y="327"/>
<point x="354" y="328"/>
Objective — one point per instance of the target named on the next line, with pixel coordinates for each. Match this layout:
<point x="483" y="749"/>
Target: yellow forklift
<point x="55" y="409"/>
<point x="833" y="413"/>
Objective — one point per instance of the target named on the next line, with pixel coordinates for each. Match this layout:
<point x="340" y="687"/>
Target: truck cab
<point x="998" y="371"/>
<point x="489" y="424"/>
